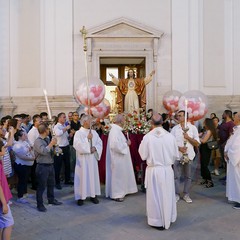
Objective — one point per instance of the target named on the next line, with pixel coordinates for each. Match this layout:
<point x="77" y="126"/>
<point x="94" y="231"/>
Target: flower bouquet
<point x="106" y="128"/>
<point x="137" y="123"/>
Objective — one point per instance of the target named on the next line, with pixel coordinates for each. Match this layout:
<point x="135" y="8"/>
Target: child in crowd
<point x="6" y="218"/>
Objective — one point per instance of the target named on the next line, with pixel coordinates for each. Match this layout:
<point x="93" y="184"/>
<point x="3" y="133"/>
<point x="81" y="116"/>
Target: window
<point x="113" y="70"/>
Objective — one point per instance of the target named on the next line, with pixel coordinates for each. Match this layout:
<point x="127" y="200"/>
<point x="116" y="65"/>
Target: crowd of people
<point x="67" y="150"/>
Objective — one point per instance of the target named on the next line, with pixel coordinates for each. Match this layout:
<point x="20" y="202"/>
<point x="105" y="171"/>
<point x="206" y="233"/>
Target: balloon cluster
<point x="170" y="101"/>
<point x="99" y="107"/>
<point x="95" y="94"/>
<point x="197" y="105"/>
<point x="101" y="110"/>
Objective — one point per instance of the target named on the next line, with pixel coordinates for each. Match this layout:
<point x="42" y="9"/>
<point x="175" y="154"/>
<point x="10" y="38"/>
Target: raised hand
<point x="111" y="75"/>
<point x="152" y="72"/>
<point x="53" y="141"/>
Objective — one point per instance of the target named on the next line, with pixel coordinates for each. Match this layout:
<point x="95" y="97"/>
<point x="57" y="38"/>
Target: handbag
<point x="212" y="145"/>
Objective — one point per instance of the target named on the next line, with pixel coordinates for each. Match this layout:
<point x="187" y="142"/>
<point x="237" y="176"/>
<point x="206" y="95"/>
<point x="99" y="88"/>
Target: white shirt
<point x="192" y="133"/>
<point x="62" y="137"/>
<point x="22" y="152"/>
<point x="32" y="135"/>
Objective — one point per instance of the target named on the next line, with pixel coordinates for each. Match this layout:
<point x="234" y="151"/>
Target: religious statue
<point x="131" y="92"/>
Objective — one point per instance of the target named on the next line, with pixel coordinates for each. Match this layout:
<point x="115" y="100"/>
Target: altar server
<point x="232" y="157"/>
<point x="159" y="149"/>
<point x="120" y="178"/>
<point x="88" y="148"/>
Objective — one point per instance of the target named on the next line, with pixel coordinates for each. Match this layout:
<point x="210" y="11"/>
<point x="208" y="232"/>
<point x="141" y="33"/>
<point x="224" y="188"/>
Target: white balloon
<point x="201" y="112"/>
<point x="195" y="113"/>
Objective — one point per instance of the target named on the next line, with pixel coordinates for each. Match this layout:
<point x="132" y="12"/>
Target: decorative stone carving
<point x="122" y="34"/>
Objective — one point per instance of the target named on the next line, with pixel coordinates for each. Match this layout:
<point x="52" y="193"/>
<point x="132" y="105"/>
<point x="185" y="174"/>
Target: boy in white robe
<point x="88" y="148"/>
<point x="232" y="157"/>
<point x="120" y="178"/>
<point x="159" y="149"/>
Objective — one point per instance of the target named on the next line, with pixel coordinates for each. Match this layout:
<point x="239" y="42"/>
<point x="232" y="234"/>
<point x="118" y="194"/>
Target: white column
<point x="64" y="48"/>
<point x="4" y="48"/>
<point x="48" y="52"/>
<point x="228" y="47"/>
<point x="194" y="45"/>
<point x="180" y="45"/>
<point x="236" y="47"/>
<point x="57" y="47"/>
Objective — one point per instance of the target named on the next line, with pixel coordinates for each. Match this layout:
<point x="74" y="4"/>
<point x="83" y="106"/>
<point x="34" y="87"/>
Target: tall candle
<point x="185" y="116"/>
<point x="48" y="108"/>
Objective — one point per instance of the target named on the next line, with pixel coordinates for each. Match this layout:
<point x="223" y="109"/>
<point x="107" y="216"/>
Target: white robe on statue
<point x="232" y="149"/>
<point x="86" y="179"/>
<point x="120" y="178"/>
<point x="160" y="150"/>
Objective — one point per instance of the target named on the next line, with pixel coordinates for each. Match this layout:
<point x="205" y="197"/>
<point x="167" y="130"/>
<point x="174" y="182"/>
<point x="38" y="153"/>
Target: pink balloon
<point x="90" y="94"/>
<point x="101" y="110"/>
<point x="170" y="100"/>
<point x="197" y="105"/>
<point x="97" y="90"/>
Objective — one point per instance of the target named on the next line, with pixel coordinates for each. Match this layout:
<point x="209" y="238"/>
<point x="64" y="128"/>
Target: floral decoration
<point x="106" y="128"/>
<point x="137" y="123"/>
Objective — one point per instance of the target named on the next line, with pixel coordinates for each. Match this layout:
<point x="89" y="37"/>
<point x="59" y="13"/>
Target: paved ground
<point x="210" y="216"/>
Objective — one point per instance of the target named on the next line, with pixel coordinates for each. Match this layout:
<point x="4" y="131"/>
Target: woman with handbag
<point x="216" y="155"/>
<point x="209" y="135"/>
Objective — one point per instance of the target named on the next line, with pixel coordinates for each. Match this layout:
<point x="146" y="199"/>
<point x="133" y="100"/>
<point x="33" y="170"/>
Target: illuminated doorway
<point x="119" y="67"/>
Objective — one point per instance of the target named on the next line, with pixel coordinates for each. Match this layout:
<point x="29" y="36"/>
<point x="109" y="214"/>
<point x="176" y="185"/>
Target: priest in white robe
<point x="232" y="157"/>
<point x="159" y="149"/>
<point x="120" y="178"/>
<point x="88" y="148"/>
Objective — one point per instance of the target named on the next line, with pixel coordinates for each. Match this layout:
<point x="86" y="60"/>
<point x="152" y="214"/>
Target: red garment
<point x="4" y="184"/>
<point x="122" y="89"/>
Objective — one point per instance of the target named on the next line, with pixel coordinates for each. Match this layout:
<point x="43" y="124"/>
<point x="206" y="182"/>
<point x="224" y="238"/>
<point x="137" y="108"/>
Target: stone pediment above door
<point x="123" y="27"/>
<point x="121" y="34"/>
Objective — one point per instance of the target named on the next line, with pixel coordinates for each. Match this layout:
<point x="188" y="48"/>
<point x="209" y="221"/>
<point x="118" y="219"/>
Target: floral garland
<point x="134" y="123"/>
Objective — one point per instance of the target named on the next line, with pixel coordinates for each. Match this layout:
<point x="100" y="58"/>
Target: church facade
<point x="192" y="45"/>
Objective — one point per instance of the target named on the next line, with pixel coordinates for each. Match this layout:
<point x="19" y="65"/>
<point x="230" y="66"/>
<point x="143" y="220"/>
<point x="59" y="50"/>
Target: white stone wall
<point x="4" y="48"/>
<point x="205" y="46"/>
<point x="158" y="16"/>
<point x="42" y="48"/>
<point x="37" y="53"/>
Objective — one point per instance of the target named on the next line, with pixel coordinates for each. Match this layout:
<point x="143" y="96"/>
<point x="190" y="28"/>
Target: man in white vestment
<point x="232" y="157"/>
<point x="88" y="148"/>
<point x="159" y="149"/>
<point x="120" y="178"/>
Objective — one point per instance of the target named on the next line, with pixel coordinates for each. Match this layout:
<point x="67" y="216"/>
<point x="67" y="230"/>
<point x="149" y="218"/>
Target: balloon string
<point x="86" y="69"/>
<point x="88" y="97"/>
